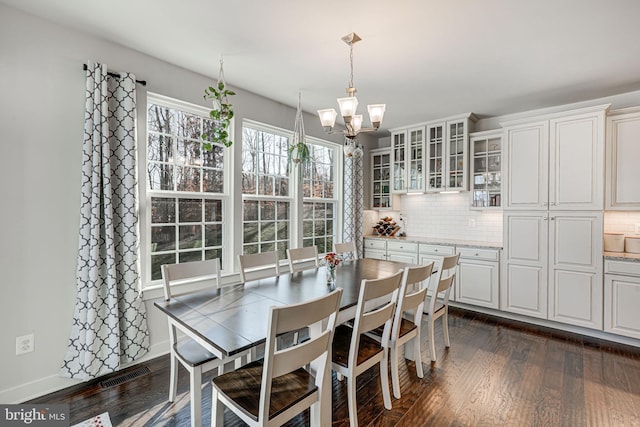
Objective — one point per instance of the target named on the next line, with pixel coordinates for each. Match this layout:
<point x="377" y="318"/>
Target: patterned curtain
<point x="110" y="322"/>
<point x="353" y="202"/>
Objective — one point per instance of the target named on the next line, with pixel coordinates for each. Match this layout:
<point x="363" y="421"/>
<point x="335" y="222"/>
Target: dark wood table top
<point x="233" y="319"/>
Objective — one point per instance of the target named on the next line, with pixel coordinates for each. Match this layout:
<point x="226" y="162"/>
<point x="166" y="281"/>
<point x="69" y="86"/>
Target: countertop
<point x="622" y="256"/>
<point x="438" y="241"/>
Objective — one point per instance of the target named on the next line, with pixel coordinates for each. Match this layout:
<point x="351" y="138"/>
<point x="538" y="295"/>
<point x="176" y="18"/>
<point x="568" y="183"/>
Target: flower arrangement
<point x="332" y="260"/>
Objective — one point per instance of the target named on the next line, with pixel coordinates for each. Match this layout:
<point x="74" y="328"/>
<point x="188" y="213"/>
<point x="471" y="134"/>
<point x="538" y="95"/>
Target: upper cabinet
<point x="381" y="179"/>
<point x="623" y="153"/>
<point x="447" y="155"/>
<point x="486" y="169"/>
<point x="407" y="148"/>
<point x="556" y="162"/>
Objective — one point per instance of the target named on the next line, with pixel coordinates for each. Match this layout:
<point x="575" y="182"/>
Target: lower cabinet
<point x="622" y="298"/>
<point x="434" y="253"/>
<point x="478" y="277"/>
<point x="375" y="248"/>
<point x="402" y="251"/>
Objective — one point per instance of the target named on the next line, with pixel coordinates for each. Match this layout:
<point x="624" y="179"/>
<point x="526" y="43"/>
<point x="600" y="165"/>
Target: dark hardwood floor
<point x="496" y="373"/>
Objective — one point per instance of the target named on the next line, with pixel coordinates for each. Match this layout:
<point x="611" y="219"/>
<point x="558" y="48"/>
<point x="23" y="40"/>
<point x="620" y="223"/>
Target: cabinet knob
<point x="435" y="250"/>
<point x="477" y="254"/>
<point x="553" y="218"/>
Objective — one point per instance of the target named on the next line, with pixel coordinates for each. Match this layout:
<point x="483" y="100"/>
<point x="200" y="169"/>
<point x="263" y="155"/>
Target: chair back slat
<point x="343" y="248"/>
<point x="258" y="266"/>
<point x="189" y="272"/>
<point x="302" y="258"/>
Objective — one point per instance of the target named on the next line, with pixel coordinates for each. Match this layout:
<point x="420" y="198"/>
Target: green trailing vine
<point x="221" y="114"/>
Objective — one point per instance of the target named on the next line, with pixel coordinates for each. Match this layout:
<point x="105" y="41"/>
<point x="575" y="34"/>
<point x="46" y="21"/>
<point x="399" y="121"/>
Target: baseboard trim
<point x="52" y="383"/>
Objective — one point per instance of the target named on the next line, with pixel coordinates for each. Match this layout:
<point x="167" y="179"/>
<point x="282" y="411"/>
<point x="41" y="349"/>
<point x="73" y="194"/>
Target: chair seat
<point x="192" y="353"/>
<point x="367" y="348"/>
<point x="243" y="387"/>
<point x="406" y="326"/>
<point x="439" y="306"/>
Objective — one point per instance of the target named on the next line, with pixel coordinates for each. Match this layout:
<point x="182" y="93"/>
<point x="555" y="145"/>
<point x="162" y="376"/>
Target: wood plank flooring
<point x="496" y="373"/>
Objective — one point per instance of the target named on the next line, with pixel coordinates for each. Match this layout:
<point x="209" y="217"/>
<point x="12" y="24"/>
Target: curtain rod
<point x="116" y="75"/>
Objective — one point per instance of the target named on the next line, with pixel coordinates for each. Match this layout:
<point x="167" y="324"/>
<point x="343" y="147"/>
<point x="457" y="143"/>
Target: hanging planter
<point x="221" y="114"/>
<point x="299" y="152"/>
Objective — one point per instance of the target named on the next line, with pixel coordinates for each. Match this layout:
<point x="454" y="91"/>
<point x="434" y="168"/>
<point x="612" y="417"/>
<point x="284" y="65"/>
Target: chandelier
<point x="349" y="104"/>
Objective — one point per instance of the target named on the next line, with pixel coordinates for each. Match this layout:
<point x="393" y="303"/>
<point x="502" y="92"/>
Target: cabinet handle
<point x="553" y="218"/>
<point x="545" y="218"/>
<point x="477" y="254"/>
<point x="435" y="250"/>
<point x="552" y="204"/>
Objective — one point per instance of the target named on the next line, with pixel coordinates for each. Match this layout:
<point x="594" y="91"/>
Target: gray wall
<point x="42" y="89"/>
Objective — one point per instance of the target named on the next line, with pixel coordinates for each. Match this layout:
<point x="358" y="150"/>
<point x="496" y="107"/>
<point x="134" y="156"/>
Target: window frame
<point x="146" y="194"/>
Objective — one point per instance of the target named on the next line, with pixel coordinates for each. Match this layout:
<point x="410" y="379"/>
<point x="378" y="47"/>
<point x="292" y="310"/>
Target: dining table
<point x="230" y="320"/>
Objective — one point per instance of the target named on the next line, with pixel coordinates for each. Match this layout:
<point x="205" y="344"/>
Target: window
<point x="185" y="186"/>
<point x="275" y="201"/>
<point x="265" y="189"/>
<point x="320" y="204"/>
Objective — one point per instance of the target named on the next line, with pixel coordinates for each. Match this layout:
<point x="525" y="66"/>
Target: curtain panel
<point x="110" y="322"/>
<point x="353" y="202"/>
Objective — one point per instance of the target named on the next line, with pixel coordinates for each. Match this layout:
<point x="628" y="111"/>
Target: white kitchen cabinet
<point x="434" y="253"/>
<point x="478" y="277"/>
<point x="381" y="179"/>
<point x="575" y="268"/>
<point x="446" y="153"/>
<point x="622" y="298"/>
<point x="556" y="162"/>
<point x="486" y="169"/>
<point x="375" y="248"/>
<point x="553" y="266"/>
<point x="402" y="251"/>
<point x="407" y="148"/>
<point x="623" y="153"/>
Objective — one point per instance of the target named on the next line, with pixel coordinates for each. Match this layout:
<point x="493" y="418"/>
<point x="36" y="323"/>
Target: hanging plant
<point x="298" y="151"/>
<point x="221" y="114"/>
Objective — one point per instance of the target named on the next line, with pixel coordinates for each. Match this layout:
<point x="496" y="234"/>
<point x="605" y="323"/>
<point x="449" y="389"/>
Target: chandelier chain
<point x="351" y="65"/>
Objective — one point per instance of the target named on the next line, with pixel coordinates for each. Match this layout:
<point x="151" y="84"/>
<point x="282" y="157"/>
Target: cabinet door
<point x="526" y="238"/>
<point x="623" y="152"/>
<point x="380" y="179"/>
<point x="409" y="258"/>
<point x="477" y="283"/>
<point x="456" y="152"/>
<point x="416" y="159"/>
<point x="527" y="158"/>
<point x="575" y="257"/>
<point x="435" y="157"/>
<point x="486" y="170"/>
<point x="576" y="160"/>
<point x="398" y="165"/>
<point x="375" y="254"/>
<point x="621" y="302"/>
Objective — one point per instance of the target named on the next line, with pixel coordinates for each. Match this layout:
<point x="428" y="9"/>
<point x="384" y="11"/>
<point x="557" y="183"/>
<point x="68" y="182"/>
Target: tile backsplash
<point x="445" y="216"/>
<point x="621" y="222"/>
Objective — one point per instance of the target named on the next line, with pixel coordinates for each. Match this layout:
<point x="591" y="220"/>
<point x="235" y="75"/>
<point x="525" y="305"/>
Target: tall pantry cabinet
<point x="553" y="221"/>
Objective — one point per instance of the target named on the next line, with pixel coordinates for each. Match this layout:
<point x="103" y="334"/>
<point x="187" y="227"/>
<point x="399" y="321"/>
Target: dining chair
<point x="439" y="306"/>
<point x="192" y="356"/>
<point x="353" y="351"/>
<point x="346" y="247"/>
<point x="273" y="390"/>
<point x="302" y="258"/>
<point x="407" y="320"/>
<point x="258" y="266"/>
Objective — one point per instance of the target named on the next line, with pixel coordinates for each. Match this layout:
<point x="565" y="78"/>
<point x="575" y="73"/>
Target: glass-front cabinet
<point x="408" y="159"/>
<point x="381" y="179"/>
<point x="446" y="159"/>
<point x="486" y="169"/>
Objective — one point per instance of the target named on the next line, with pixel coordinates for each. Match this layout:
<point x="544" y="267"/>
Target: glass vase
<point x="331" y="275"/>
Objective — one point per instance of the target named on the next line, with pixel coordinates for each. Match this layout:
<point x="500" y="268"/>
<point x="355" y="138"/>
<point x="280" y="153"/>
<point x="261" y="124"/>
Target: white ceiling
<point x="424" y="58"/>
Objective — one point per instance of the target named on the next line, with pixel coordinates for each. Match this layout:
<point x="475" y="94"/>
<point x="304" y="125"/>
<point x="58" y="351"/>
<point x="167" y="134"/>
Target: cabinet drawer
<point x="439" y="250"/>
<point x="622" y="267"/>
<point x="483" y="254"/>
<point x="375" y="244"/>
<point x="402" y="247"/>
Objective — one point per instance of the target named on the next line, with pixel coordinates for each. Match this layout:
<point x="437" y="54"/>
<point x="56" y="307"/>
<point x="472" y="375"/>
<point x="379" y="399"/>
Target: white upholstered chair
<point x="272" y="391"/>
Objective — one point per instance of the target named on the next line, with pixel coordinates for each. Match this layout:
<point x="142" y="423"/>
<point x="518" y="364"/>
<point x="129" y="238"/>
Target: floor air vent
<point x="121" y="379"/>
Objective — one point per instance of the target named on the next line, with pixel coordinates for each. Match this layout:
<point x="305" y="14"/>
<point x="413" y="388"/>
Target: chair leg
<point x="173" y="378"/>
<point x="395" y="380"/>
<point x="351" y="400"/>
<point x="217" y="409"/>
<point x="384" y="379"/>
<point x="432" y="339"/>
<point x="196" y="396"/>
<point x="417" y="356"/>
<point x="445" y="329"/>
